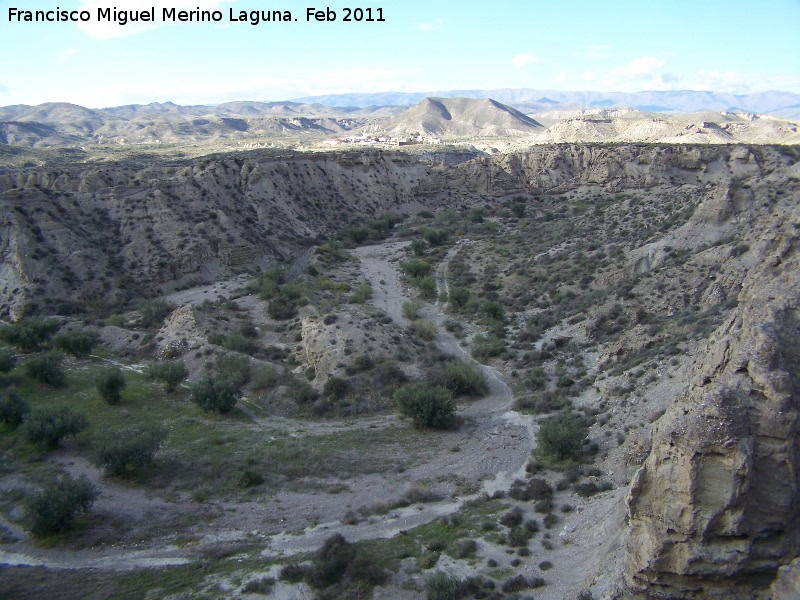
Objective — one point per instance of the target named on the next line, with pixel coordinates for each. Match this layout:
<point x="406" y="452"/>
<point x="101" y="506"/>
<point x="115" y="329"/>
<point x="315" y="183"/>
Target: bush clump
<point x="129" y="451"/>
<point x="562" y="437"/>
<point x="441" y="586"/>
<point x="54" y="508"/>
<point x="77" y="343"/>
<point x="461" y="378"/>
<point x="46" y="426"/>
<point x="338" y="568"/>
<point x="29" y="335"/>
<point x="153" y="312"/>
<point x="427" y="405"/>
<point x="46" y="367"/>
<point x="110" y="384"/>
<point x="220" y="393"/>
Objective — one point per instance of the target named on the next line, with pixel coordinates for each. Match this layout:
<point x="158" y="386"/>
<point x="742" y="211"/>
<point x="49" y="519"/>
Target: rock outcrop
<point x="715" y="509"/>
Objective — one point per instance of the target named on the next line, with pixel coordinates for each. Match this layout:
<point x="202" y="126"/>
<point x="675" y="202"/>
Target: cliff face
<point x="91" y="234"/>
<point x="714" y="509"/>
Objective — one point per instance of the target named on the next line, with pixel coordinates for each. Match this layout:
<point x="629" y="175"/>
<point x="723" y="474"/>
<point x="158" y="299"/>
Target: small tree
<point x="46" y="367"/>
<point x="171" y="372"/>
<point x="77" y="343"/>
<point x="8" y="360"/>
<point x="46" y="426"/>
<point x="129" y="451"/>
<point x="336" y="388"/>
<point x="110" y="385"/>
<point x="418" y="247"/>
<point x="53" y="510"/>
<point x="13" y="408"/>
<point x="220" y="393"/>
<point x="427" y="405"/>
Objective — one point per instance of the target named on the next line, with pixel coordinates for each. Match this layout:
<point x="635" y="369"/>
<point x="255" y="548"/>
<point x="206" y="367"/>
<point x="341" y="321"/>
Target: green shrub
<point x="411" y="310"/>
<point x="77" y="343"/>
<point x="562" y="436"/>
<point x="110" y="384"/>
<point x="220" y="393"/>
<point x="261" y="586"/>
<point x="250" y="478"/>
<point x="484" y="347"/>
<point x="493" y="310"/>
<point x="418" y="247"/>
<point x="29" y="335"/>
<point x="331" y="561"/>
<point x="170" y="372"/>
<point x="285" y="301"/>
<point x="361" y="293"/>
<point x="127" y="451"/>
<point x="415" y="268"/>
<point x="441" y="586"/>
<point x="46" y="367"/>
<point x="435" y="237"/>
<point x="264" y="378"/>
<point x="512" y="518"/>
<point x="45" y="426"/>
<point x="426" y="286"/>
<point x="424" y="329"/>
<point x="8" y="360"/>
<point x="427" y="405"/>
<point x="53" y="510"/>
<point x="461" y="378"/>
<point x="153" y="312"/>
<point x="235" y="366"/>
<point x="335" y="388"/>
<point x="13" y="408"/>
<point x="459" y="296"/>
<point x="464" y="549"/>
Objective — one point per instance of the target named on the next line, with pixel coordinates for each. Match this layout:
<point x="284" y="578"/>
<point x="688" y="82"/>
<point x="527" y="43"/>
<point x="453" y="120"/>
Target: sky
<point x="423" y="45"/>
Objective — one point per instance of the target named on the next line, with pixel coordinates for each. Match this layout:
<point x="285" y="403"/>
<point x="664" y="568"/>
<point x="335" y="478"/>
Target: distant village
<point x="372" y="140"/>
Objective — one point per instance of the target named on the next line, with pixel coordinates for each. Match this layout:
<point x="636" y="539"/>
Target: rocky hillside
<point x="713" y="510"/>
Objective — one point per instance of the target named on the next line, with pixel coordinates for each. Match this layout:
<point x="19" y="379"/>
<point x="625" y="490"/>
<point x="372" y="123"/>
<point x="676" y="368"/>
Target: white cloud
<point x="643" y="73"/>
<point x="67" y="54"/>
<point x="649" y="73"/>
<point x="437" y="24"/>
<point x="561" y="77"/>
<point x="520" y="60"/>
<point x="103" y="30"/>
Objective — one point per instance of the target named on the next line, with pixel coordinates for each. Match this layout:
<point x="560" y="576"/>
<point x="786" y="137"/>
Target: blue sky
<point x="431" y="45"/>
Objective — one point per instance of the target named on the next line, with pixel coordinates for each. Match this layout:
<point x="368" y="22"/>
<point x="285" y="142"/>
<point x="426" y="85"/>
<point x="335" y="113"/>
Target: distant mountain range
<point x="784" y="104"/>
<point x="555" y="117"/>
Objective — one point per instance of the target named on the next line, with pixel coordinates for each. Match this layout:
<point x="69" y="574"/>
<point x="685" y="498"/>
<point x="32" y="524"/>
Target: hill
<point x="462" y="117"/>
